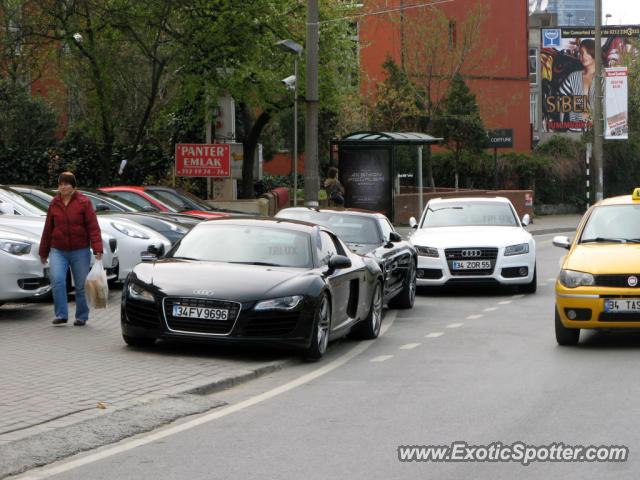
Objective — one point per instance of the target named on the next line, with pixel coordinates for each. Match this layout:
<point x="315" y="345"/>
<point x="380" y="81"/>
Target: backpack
<point x="335" y="195"/>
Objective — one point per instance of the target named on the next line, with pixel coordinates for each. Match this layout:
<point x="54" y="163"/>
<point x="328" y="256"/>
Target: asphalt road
<point x="473" y="366"/>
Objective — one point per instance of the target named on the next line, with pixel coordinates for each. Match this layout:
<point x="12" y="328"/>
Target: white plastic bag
<point x="96" y="287"/>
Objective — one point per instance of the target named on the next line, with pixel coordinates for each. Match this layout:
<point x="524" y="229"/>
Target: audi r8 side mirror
<point x="395" y="237"/>
<point x="562" y="242"/>
<point x="338" y="262"/>
<point x="413" y="223"/>
<point x="526" y="220"/>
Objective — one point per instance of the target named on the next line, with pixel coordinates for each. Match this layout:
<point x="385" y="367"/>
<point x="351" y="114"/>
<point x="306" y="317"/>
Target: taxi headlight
<point x="519" y="249"/>
<point x="573" y="279"/>
<point x="139" y="293"/>
<point x="282" y="303"/>
<point x="427" y="251"/>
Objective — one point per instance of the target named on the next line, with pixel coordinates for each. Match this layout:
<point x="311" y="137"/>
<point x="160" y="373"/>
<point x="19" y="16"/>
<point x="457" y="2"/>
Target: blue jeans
<point x="59" y="262"/>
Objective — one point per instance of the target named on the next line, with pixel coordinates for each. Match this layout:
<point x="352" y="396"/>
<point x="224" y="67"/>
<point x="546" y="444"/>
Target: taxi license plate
<point x="625" y="305"/>
<point x="471" y="265"/>
<point x="200" y="312"/>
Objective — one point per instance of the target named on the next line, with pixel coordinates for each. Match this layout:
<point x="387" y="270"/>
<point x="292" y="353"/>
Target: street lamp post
<point x="295" y="48"/>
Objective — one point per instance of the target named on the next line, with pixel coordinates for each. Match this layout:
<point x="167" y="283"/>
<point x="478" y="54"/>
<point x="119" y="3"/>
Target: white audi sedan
<point x="474" y="241"/>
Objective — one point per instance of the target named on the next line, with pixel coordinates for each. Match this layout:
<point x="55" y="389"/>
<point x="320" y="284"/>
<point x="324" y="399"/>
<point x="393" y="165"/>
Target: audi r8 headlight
<point x="573" y="279"/>
<point x="282" y="303"/>
<point x="129" y="231"/>
<point x="15" y="247"/>
<point x="519" y="249"/>
<point x="427" y="251"/>
<point x="140" y="293"/>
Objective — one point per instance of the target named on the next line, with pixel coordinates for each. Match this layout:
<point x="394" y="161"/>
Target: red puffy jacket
<point x="70" y="227"/>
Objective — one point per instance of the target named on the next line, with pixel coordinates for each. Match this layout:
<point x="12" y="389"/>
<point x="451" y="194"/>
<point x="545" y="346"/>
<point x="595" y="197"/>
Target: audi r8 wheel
<point x="370" y="327"/>
<point x="407" y="296"/>
<point x="138" y="341"/>
<point x="320" y="334"/>
<point x="564" y="335"/>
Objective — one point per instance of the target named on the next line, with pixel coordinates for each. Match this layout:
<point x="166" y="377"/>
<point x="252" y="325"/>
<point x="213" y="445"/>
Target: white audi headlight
<point x="283" y="303"/>
<point x="519" y="249"/>
<point x="140" y="293"/>
<point x="427" y="251"/>
<point x="15" y="247"/>
<point x="130" y="231"/>
<point x="573" y="279"/>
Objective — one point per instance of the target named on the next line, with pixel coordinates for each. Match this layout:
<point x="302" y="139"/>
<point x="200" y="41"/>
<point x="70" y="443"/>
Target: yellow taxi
<point x="599" y="283"/>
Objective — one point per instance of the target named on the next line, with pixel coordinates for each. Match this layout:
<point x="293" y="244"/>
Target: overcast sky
<point x="623" y="12"/>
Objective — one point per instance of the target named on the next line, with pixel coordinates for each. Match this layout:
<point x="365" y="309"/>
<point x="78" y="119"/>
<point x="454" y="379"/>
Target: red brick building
<point x="501" y="82"/>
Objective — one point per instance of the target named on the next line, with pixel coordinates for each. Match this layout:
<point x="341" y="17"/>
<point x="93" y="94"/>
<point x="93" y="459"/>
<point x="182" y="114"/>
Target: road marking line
<point x="455" y="325"/>
<point x="551" y="279"/>
<point x="129" y="444"/>
<point x="505" y="302"/>
<point x="490" y="309"/>
<point x="543" y="284"/>
<point x="381" y="358"/>
<point x="434" y="335"/>
<point x="410" y="346"/>
<point x="518" y="296"/>
<point x="474" y="317"/>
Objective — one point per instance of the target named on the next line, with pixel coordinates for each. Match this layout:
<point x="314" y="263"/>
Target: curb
<point x="547" y="231"/>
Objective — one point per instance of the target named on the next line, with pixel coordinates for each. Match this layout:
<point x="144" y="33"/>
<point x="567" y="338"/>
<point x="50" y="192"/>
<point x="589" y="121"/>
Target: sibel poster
<point x="568" y="67"/>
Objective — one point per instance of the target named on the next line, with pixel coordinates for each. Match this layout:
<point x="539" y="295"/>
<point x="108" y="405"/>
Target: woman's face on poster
<point x="586" y="59"/>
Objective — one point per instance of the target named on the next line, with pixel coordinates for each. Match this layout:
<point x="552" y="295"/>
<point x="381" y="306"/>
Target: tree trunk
<point x="249" y="145"/>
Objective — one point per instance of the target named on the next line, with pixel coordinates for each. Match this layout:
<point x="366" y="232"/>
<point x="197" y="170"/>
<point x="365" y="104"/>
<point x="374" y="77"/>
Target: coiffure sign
<point x="202" y="160"/>
<point x="501" y="138"/>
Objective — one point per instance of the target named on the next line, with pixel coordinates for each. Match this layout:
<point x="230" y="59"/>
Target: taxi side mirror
<point x="562" y="242"/>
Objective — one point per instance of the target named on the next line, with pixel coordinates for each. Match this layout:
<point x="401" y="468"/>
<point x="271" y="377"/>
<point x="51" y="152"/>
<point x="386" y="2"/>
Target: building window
<point x="533" y="110"/>
<point x="533" y="66"/>
<point x="452" y="34"/>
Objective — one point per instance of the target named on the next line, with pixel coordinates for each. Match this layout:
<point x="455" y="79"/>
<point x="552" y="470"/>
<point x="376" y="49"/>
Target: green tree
<point x="459" y="123"/>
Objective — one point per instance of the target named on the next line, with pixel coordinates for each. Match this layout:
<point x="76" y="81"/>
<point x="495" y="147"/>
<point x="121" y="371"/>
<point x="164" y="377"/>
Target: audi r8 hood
<point x="452" y="237"/>
<point x="222" y="281"/>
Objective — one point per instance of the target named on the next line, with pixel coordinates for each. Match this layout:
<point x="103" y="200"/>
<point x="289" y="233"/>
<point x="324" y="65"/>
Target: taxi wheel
<point x="564" y="335"/>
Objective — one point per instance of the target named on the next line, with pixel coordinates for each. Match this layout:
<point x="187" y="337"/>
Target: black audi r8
<point x="370" y="233"/>
<point x="254" y="281"/>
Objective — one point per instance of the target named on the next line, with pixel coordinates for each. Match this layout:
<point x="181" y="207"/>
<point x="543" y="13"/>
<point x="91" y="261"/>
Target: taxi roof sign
<point x="636" y="194"/>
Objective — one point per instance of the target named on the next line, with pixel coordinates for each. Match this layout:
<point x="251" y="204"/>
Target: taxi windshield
<point x="613" y="224"/>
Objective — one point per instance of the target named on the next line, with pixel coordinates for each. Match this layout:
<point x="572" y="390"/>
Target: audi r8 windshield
<point x="246" y="244"/>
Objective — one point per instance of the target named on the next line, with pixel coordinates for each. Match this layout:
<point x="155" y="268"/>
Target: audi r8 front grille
<point x="142" y="313"/>
<point x="203" y="326"/>
<point x="276" y="324"/>
<point x="620" y="281"/>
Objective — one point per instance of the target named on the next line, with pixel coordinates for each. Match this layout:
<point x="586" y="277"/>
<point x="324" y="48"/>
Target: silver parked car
<point x="23" y="275"/>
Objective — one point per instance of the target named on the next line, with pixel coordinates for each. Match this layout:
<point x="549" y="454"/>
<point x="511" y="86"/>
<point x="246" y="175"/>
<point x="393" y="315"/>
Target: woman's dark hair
<point x="590" y="46"/>
<point x="68" y="178"/>
<point x="332" y="172"/>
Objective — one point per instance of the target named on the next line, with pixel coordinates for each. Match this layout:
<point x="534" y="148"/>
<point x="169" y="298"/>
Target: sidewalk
<point x="55" y="377"/>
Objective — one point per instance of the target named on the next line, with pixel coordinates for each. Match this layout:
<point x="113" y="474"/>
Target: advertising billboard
<point x="616" y="126"/>
<point x="567" y="65"/>
<point x="203" y="160"/>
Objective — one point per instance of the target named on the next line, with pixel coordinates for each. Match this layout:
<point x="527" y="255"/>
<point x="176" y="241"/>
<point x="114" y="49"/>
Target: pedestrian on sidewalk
<point x="333" y="187"/>
<point x="71" y="227"/>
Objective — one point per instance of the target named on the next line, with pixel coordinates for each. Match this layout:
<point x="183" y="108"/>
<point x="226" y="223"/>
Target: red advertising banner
<point x="202" y="160"/>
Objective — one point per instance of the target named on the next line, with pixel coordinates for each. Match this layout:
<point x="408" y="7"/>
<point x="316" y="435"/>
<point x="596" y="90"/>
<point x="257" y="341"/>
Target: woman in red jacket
<point x="71" y="227"/>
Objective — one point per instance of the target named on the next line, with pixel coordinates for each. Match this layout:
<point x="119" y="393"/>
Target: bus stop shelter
<point x="366" y="161"/>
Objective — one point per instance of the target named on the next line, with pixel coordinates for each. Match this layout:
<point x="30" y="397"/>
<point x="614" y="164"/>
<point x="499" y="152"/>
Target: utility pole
<point x="311" y="167"/>
<point x="598" y="131"/>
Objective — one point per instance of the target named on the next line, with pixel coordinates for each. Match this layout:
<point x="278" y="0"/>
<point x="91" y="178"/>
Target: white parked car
<point x="23" y="275"/>
<point x="474" y="241"/>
